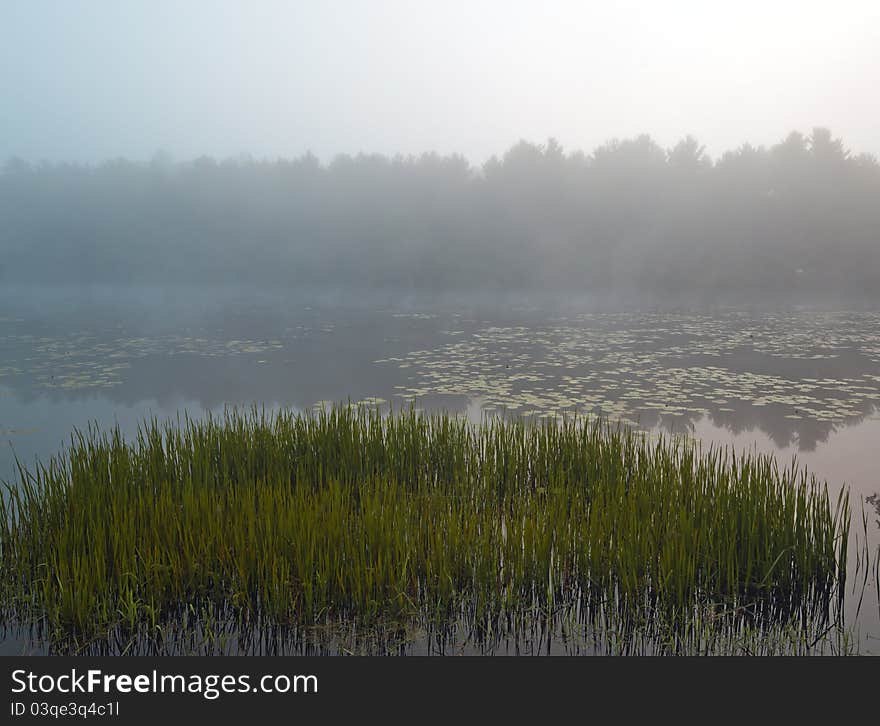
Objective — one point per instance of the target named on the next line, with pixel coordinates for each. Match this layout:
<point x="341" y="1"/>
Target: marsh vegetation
<point x="350" y="519"/>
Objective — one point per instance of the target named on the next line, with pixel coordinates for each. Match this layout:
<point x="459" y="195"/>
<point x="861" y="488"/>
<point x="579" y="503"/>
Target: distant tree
<point x="16" y="165"/>
<point x="802" y="215"/>
<point x="825" y="148"/>
<point x="689" y="155"/>
<point x="793" y="152"/>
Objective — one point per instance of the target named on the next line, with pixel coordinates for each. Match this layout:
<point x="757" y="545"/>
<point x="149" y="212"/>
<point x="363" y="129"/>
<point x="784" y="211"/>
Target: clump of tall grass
<point x="349" y="515"/>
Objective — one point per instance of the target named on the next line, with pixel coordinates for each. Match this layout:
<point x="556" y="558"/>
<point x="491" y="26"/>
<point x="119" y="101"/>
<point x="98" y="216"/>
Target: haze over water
<point x="796" y="383"/>
<point x="667" y="215"/>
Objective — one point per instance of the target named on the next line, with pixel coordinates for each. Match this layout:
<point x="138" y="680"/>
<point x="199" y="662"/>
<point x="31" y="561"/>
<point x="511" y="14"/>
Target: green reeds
<point x="349" y="515"/>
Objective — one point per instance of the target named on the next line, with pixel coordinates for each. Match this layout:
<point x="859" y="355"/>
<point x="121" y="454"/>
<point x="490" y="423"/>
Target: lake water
<point x="799" y="383"/>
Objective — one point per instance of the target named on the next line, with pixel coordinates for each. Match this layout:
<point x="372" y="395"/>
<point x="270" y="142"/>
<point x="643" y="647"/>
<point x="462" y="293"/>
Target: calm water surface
<point x="799" y="383"/>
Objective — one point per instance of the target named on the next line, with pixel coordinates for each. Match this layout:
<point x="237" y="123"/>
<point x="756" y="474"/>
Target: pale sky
<point x="90" y="80"/>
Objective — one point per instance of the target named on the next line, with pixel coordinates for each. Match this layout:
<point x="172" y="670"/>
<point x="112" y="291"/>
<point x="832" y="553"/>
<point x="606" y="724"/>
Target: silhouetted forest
<point x="802" y="216"/>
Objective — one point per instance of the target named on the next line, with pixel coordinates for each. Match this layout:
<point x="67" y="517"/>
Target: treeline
<point x="802" y="215"/>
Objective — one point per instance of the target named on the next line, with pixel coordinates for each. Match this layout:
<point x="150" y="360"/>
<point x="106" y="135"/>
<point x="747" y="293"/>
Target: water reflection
<point x="793" y="383"/>
<point x="874" y="501"/>
<point x="565" y="631"/>
<point x="787" y="375"/>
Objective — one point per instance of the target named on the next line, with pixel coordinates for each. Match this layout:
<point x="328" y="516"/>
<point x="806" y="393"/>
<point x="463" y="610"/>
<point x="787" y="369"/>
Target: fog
<point x="660" y="215"/>
<point x="93" y="80"/>
<point x="624" y="151"/>
<point x="792" y="222"/>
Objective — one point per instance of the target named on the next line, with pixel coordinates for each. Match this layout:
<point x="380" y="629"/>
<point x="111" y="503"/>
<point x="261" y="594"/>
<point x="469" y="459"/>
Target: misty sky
<point x="87" y="81"/>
